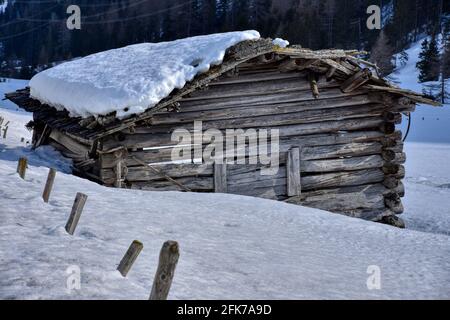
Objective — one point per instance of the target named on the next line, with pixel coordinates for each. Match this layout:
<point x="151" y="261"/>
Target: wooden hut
<point x="339" y="147"/>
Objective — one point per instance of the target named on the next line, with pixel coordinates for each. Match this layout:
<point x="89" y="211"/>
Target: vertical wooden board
<point x="75" y="215"/>
<point x="118" y="171"/>
<point x="293" y="173"/>
<point x="220" y="178"/>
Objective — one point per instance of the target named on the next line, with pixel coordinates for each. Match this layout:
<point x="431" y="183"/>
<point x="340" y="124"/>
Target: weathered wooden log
<point x="168" y="259"/>
<point x="195" y="184"/>
<point x="189" y="115"/>
<point x="304" y="117"/>
<point x="130" y="257"/>
<point x="49" y="185"/>
<point x="290" y="65"/>
<point x="69" y="143"/>
<point x="394" y="221"/>
<point x="394" y="202"/>
<point x="387" y="127"/>
<point x="22" y="167"/>
<point x="164" y="139"/>
<point x="388" y="155"/>
<point x="298" y="85"/>
<point x="346" y="164"/>
<point x="77" y="209"/>
<point x="319" y="181"/>
<point x="332" y="145"/>
<point x="391" y="182"/>
<point x="356" y="81"/>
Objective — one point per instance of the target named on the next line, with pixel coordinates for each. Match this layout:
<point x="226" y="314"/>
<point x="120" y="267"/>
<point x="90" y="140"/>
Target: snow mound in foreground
<point x="232" y="247"/>
<point x="132" y="79"/>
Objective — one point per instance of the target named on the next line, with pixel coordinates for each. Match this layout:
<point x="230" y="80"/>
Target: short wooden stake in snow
<point x="77" y="209"/>
<point x="168" y="259"/>
<point x="130" y="257"/>
<point x="22" y="167"/>
<point x="49" y="185"/>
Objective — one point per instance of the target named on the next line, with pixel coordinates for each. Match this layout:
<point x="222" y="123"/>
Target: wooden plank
<point x="220" y="177"/>
<point x="168" y="259"/>
<point x="154" y="139"/>
<point x="77" y="209"/>
<point x="69" y="143"/>
<point x="293" y="173"/>
<point x="190" y="114"/>
<point x="118" y="172"/>
<point x="276" y="119"/>
<point x="130" y="257"/>
<point x="357" y="80"/>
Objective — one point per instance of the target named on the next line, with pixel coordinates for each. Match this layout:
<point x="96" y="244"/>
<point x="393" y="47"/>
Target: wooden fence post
<point x="130" y="257"/>
<point x="168" y="259"/>
<point x="49" y="185"/>
<point x="220" y="177"/>
<point x="77" y="209"/>
<point x="22" y="167"/>
<point x="293" y="173"/>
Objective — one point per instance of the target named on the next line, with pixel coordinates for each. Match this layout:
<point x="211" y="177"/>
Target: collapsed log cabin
<point x="339" y="147"/>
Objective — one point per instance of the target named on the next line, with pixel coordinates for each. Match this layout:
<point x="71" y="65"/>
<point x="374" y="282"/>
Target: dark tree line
<point x="34" y="34"/>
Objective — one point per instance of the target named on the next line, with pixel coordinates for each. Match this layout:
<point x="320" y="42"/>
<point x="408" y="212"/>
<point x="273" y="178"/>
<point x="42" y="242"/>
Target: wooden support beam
<point x="49" y="185"/>
<point x="130" y="257"/>
<point x="168" y="259"/>
<point x="118" y="171"/>
<point x="220" y="178"/>
<point x="77" y="209"/>
<point x="293" y="173"/>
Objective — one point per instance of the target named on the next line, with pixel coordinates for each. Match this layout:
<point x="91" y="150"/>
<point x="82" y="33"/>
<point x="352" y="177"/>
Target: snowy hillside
<point x="231" y="246"/>
<point x="429" y="124"/>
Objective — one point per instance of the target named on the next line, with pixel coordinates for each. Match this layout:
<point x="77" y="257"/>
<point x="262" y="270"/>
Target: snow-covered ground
<point x="427" y="204"/>
<point x="231" y="246"/>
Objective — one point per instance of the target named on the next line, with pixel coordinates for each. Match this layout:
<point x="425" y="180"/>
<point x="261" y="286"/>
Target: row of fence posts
<point x="168" y="256"/>
<point x="5" y="127"/>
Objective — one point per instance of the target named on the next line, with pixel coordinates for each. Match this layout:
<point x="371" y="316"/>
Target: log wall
<point x="351" y="156"/>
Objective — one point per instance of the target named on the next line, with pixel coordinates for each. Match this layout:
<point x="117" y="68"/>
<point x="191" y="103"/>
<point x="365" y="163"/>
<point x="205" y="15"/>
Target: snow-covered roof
<point x="132" y="79"/>
<point x="111" y="91"/>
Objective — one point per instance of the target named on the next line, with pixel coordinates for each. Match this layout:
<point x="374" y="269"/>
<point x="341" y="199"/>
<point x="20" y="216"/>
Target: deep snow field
<point x="232" y="247"/>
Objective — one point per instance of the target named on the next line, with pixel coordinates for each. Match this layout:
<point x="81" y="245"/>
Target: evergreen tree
<point x="429" y="61"/>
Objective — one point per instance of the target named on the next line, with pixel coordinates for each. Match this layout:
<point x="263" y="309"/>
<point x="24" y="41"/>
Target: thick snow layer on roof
<point x="132" y="79"/>
<point x="280" y="42"/>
